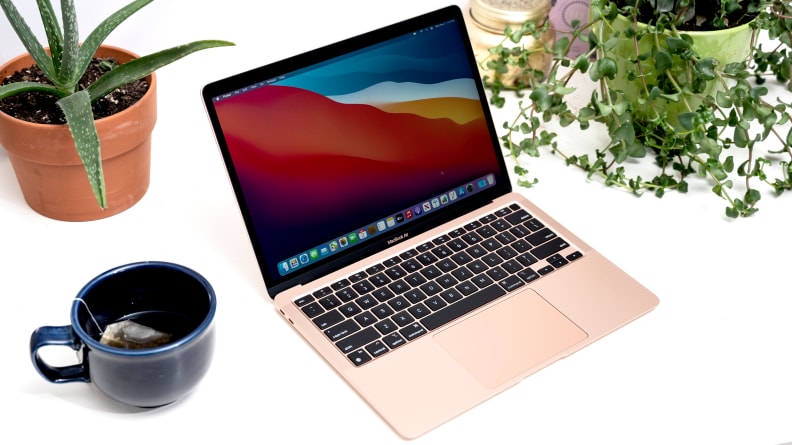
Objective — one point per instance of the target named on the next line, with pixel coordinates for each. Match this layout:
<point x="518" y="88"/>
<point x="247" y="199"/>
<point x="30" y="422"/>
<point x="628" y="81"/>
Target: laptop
<point x="380" y="209"/>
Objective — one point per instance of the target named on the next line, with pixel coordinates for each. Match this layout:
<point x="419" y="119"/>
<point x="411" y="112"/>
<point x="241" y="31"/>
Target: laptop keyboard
<point x="382" y="308"/>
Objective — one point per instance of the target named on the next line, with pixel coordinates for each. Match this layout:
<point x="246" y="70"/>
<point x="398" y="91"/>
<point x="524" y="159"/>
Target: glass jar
<point x="486" y="22"/>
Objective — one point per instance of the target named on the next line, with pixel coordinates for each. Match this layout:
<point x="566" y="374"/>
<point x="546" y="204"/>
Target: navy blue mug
<point x="166" y="297"/>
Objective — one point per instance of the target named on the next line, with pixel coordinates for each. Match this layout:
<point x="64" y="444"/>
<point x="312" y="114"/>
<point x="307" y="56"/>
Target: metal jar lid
<point x="496" y="15"/>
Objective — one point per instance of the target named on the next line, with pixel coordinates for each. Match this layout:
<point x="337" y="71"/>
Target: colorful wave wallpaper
<point x="337" y="147"/>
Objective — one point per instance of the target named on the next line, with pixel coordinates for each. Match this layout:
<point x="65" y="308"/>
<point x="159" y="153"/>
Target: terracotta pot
<point x="49" y="170"/>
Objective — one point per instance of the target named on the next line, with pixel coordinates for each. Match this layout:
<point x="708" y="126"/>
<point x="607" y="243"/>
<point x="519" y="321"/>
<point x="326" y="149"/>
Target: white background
<point x="712" y="364"/>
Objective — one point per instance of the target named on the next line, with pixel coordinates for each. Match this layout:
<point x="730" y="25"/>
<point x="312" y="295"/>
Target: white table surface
<point x="712" y="364"/>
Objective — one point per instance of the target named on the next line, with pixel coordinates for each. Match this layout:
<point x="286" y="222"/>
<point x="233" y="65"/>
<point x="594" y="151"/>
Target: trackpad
<point x="510" y="338"/>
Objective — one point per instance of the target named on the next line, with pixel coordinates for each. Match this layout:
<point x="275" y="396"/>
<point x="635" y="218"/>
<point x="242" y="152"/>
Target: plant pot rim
<point x="151" y="79"/>
<point x="103" y="125"/>
<point x="623" y="18"/>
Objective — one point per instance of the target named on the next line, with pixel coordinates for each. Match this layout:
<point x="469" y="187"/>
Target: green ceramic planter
<point x="727" y="46"/>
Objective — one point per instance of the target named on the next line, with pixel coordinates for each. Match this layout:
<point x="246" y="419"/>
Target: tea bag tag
<point x="130" y="335"/>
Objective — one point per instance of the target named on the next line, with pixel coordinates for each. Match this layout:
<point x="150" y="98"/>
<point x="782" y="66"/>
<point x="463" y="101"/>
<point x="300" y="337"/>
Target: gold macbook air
<point x="380" y="209"/>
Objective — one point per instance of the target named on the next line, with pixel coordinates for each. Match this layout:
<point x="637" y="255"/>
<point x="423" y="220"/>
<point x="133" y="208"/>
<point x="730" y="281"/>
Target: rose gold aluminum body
<point x="433" y="379"/>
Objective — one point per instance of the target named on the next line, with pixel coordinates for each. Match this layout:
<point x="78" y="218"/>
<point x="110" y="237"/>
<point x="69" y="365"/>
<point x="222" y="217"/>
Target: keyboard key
<point x="357" y="277"/>
<point x="385" y="326"/>
<point x="390" y="262"/>
<point x="383" y="311"/>
<point x="415" y="295"/>
<point x="363" y="287"/>
<point x="340" y="284"/>
<point x="528" y="275"/>
<point x="395" y="272"/>
<point x="462" y="307"/>
<point x="447" y="281"/>
<point x="415" y="279"/>
<point x="365" y="319"/>
<point x="341" y="330"/>
<point x="511" y="283"/>
<point x="357" y="340"/>
<point x="312" y="310"/>
<point x="411" y="265"/>
<point x="346" y="294"/>
<point x="412" y="331"/>
<point x="366" y="302"/>
<point x="383" y="294"/>
<point x="436" y="303"/>
<point x="512" y="266"/>
<point x="419" y="310"/>
<point x="486" y="231"/>
<point x="533" y="225"/>
<point x="451" y="295"/>
<point x="349" y="309"/>
<point x="482" y="280"/>
<point x="408" y="254"/>
<point x="557" y="261"/>
<point x="302" y="301"/>
<point x="492" y="259"/>
<point x="426" y="258"/>
<point x="403" y="318"/>
<point x="377" y="348"/>
<point x="446" y="265"/>
<point x="500" y="225"/>
<point x="457" y="245"/>
<point x="359" y="357"/>
<point x="497" y="273"/>
<point x="394" y="340"/>
<point x="375" y="269"/>
<point x="549" y="248"/>
<point x="379" y="280"/>
<point x="463" y="258"/>
<point x="328" y="319"/>
<point x="518" y="217"/>
<point x="472" y="238"/>
<point x="431" y="288"/>
<point x="541" y="237"/>
<point x="330" y="302"/>
<point x="442" y="251"/>
<point x="431" y="272"/>
<point x="323" y="292"/>
<point x="399" y="303"/>
<point x="461" y="274"/>
<point x="526" y="259"/>
<point x="507" y="253"/>
<point x="399" y="287"/>
<point x="466" y="288"/>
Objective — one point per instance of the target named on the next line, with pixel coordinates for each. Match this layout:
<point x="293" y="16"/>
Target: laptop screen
<point x="344" y="149"/>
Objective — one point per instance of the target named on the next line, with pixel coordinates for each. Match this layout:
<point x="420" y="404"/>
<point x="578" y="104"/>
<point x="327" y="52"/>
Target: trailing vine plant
<point x="728" y="131"/>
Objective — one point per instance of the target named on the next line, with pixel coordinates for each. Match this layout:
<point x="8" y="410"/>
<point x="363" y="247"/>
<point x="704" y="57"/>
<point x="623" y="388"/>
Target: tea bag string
<point x="90" y="314"/>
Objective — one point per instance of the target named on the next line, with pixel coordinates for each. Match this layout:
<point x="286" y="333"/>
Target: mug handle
<point x="57" y="336"/>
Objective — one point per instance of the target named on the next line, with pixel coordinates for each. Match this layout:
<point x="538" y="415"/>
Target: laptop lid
<point x="343" y="151"/>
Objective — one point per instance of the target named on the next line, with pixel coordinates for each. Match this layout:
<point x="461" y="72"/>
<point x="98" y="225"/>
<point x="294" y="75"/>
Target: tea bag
<point x="130" y="335"/>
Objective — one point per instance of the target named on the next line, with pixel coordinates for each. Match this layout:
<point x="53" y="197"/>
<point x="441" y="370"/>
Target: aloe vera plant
<point x="66" y="62"/>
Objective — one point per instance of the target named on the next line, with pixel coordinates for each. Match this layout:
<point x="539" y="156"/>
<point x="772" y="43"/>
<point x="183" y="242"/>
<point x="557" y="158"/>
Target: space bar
<point x="462" y="307"/>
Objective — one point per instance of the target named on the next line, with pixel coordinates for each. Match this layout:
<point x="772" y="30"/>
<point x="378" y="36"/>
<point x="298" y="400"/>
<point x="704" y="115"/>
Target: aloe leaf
<point x="28" y="39"/>
<point x="70" y="72"/>
<point x="79" y="117"/>
<point x="143" y="66"/>
<point x="100" y="33"/>
<point x="15" y="88"/>
<point x="53" y="30"/>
